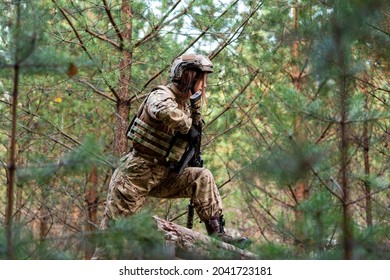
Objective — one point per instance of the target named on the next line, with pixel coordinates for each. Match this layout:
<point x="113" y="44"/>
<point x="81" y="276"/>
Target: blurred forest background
<point x="297" y="124"/>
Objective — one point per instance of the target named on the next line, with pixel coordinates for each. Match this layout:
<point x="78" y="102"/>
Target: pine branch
<point x="368" y="195"/>
<point x="96" y="90"/>
<point x="103" y="38"/>
<point x="239" y="29"/>
<point x="64" y="14"/>
<point x="117" y="31"/>
<point x="229" y="105"/>
<point x="60" y="131"/>
<point x="161" y="24"/>
<point x="188" y="47"/>
<point x="379" y="29"/>
<point x="324" y="133"/>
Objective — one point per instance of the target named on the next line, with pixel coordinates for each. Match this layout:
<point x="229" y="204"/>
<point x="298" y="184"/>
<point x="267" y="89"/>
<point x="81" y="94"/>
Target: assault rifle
<point x="193" y="156"/>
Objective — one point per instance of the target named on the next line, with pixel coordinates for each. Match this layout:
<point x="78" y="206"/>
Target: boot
<point x="215" y="228"/>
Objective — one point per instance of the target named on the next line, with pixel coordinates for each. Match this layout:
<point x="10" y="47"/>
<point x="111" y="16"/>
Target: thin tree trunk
<point x="43" y="216"/>
<point x="344" y="143"/>
<point x="295" y="75"/>
<point x="123" y="106"/>
<point x="344" y="147"/>
<point x="19" y="193"/>
<point x="91" y="199"/>
<point x="19" y="203"/>
<point x="12" y="168"/>
<point x="300" y="189"/>
<point x="12" y="152"/>
<point x="366" y="156"/>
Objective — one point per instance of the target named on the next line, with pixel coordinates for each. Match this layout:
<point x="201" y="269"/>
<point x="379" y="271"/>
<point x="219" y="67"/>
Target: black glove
<point x="191" y="137"/>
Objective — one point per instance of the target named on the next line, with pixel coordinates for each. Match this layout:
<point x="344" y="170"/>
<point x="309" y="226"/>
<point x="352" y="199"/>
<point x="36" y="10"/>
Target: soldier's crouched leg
<point x="127" y="190"/>
<point x="205" y="194"/>
<point x="199" y="184"/>
<point x="196" y="183"/>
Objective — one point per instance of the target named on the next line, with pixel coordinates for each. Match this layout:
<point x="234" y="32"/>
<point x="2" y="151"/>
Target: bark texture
<point x="184" y="243"/>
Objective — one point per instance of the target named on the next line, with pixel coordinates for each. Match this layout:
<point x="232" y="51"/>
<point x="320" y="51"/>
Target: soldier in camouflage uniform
<point x="147" y="169"/>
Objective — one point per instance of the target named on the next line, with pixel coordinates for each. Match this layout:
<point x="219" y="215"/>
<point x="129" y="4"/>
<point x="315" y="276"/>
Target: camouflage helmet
<point x="190" y="61"/>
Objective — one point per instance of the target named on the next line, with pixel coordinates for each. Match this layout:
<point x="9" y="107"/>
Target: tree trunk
<point x="184" y="243"/>
<point x="341" y="49"/>
<point x="11" y="172"/>
<point x="43" y="216"/>
<point x="366" y="158"/>
<point x="19" y="203"/>
<point x="300" y="189"/>
<point x="123" y="106"/>
<point x="91" y="199"/>
<point x="19" y="191"/>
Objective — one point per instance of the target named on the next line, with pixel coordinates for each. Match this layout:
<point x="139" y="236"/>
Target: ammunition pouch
<point x="165" y="146"/>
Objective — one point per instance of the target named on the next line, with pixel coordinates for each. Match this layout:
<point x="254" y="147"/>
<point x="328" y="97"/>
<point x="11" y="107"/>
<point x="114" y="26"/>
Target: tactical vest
<point x="153" y="138"/>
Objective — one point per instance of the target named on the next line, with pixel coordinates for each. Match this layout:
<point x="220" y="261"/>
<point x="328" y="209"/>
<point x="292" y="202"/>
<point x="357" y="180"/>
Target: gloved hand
<point x="196" y="102"/>
<point x="196" y="111"/>
<point x="191" y="137"/>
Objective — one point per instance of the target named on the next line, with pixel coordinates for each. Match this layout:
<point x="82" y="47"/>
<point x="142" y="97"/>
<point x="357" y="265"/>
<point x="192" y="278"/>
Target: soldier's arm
<point x="162" y="107"/>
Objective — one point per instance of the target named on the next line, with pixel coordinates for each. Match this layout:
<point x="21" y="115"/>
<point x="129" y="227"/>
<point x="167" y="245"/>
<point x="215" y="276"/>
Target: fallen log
<point x="184" y="243"/>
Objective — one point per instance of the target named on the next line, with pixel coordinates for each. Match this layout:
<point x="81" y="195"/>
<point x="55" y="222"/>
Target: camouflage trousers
<point x="137" y="177"/>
